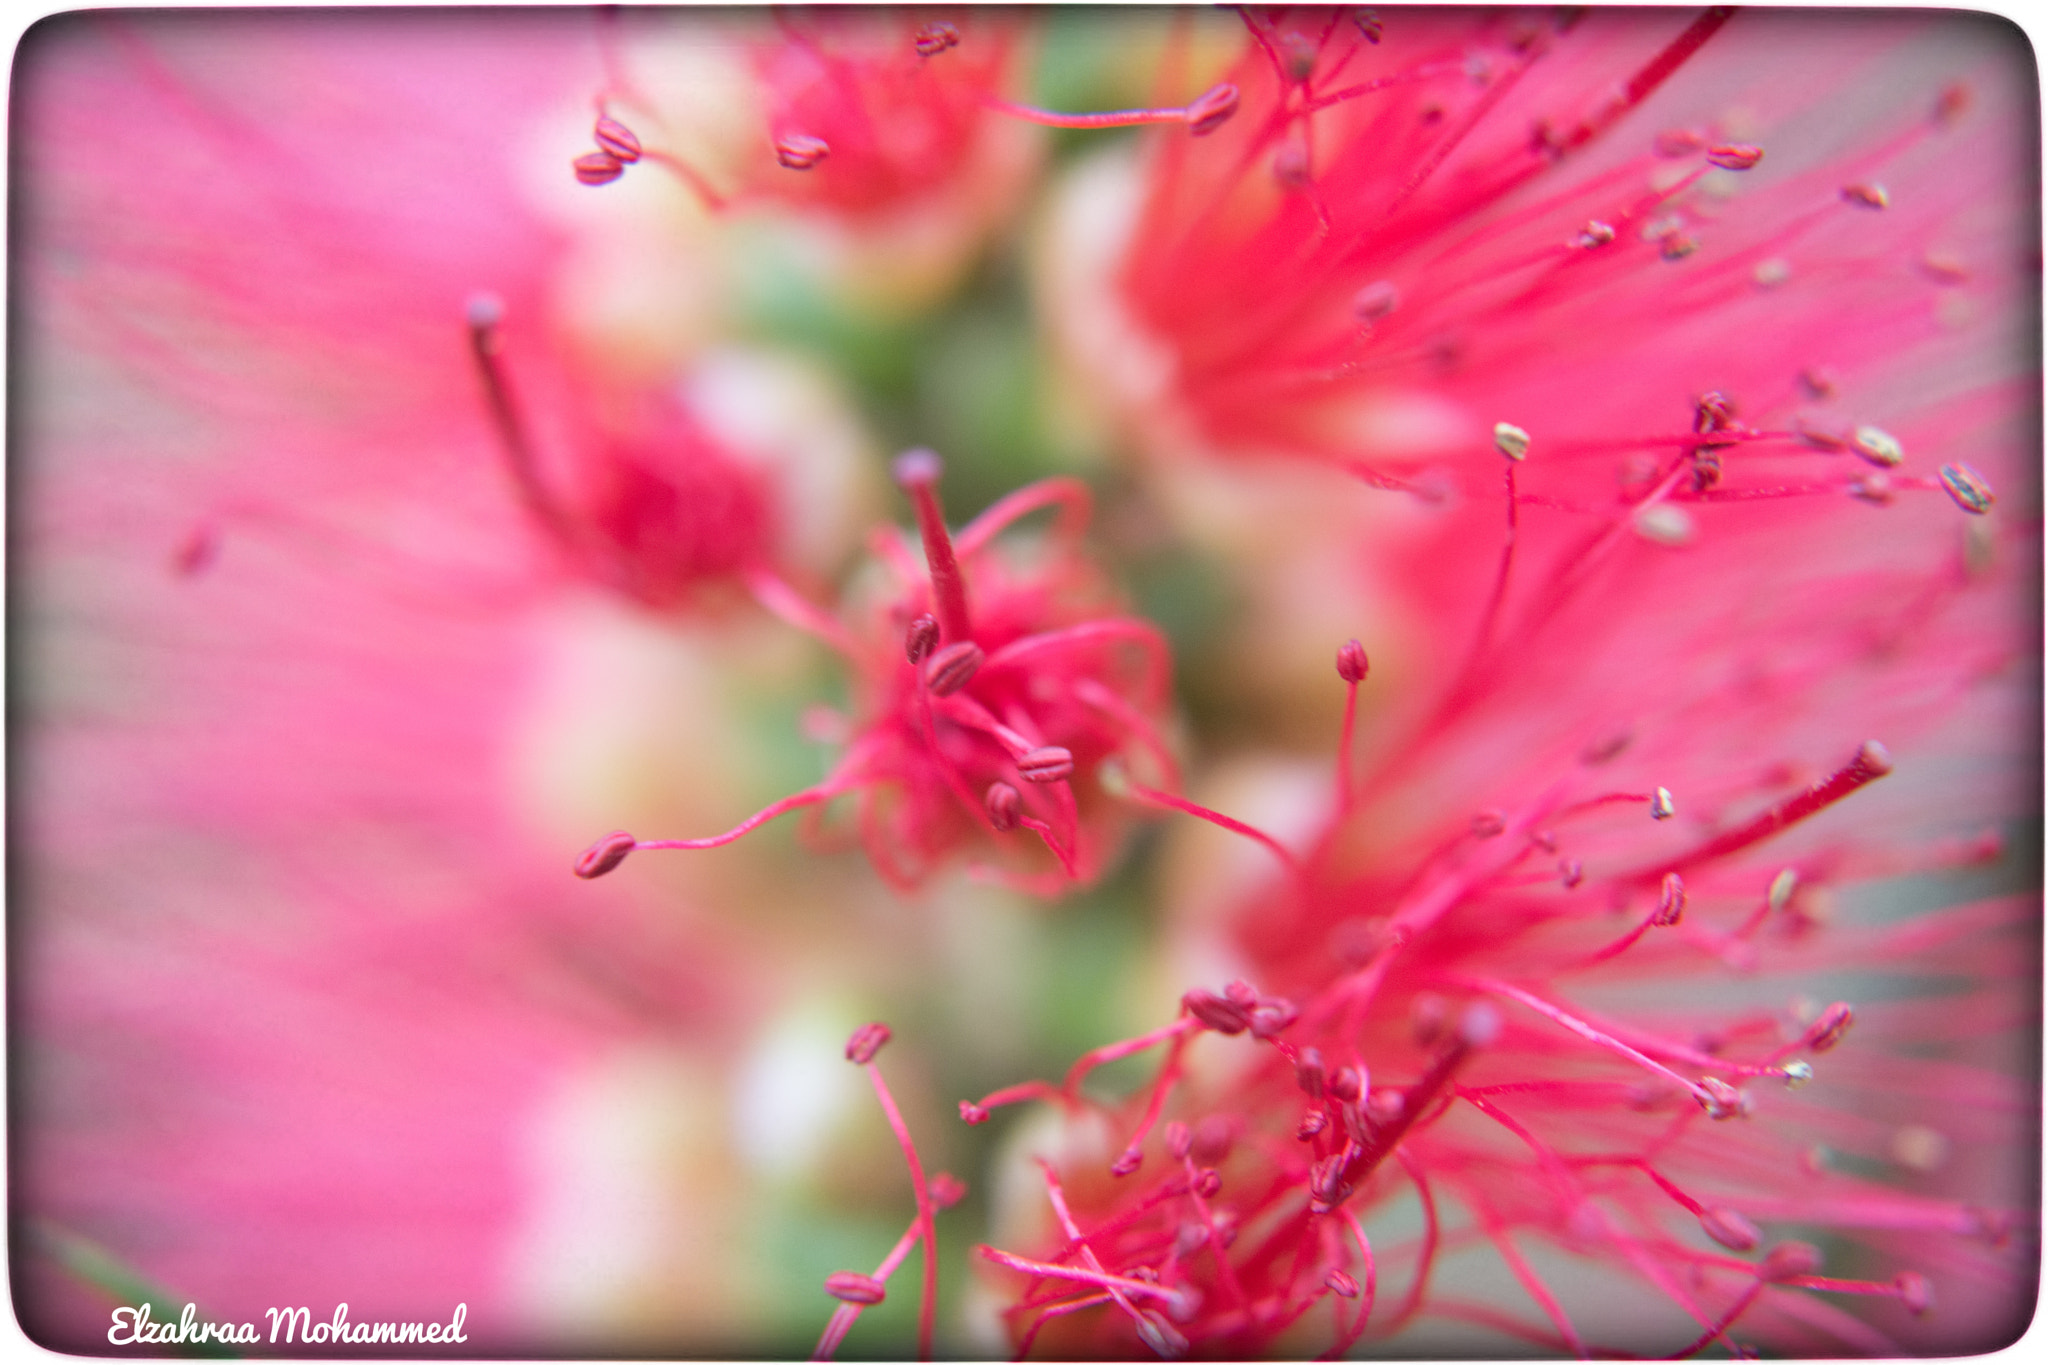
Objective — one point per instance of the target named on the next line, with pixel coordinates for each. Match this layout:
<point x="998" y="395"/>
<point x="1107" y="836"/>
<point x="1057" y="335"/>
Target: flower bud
<point x="866" y="1041"/>
<point x="604" y="855"/>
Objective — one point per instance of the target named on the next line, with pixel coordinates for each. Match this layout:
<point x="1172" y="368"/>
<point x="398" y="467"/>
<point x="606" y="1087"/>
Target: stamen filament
<point x="521" y="459"/>
<point x="1872" y="761"/>
<point x="847" y="1314"/>
<point x="785" y="602"/>
<point x="809" y="796"/>
<point x="917" y="472"/>
<point x="1071" y="496"/>
<point x="928" y="1297"/>
<point x="1077" y="1275"/>
<point x="1180" y="803"/>
<point x="1582" y="1028"/>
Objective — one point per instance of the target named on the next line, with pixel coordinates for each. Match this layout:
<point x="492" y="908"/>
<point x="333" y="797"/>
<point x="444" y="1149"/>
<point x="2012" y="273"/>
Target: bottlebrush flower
<point x="1544" y="979"/>
<point x="988" y="685"/>
<point x="869" y="140"/>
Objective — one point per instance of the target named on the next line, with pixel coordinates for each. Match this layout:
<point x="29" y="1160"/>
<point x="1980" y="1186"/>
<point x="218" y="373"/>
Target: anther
<point x="972" y="1114"/>
<point x="1368" y="23"/>
<point x="1478" y="1025"/>
<point x="1827" y="1030"/>
<point x="1874" y="488"/>
<point x="1676" y="142"/>
<point x="1241" y="993"/>
<point x="1341" y="1284"/>
<point x="1207" y="1182"/>
<point x="1662" y="807"/>
<point x="850" y="1286"/>
<point x="1789" y="1261"/>
<point x="1771" y="272"/>
<point x="1327" y="1187"/>
<point x="1817" y="382"/>
<point x="1273" y="1015"/>
<point x="1867" y="195"/>
<point x="951" y="668"/>
<point x="1346" y="1084"/>
<point x="1663" y="524"/>
<point x="1164" y="1341"/>
<point x="1594" y="233"/>
<point x="1914" y="1291"/>
<point x="1216" y="1012"/>
<point x="946" y="1190"/>
<point x="1427" y="1017"/>
<point x="1048" y="763"/>
<point x="1970" y="490"/>
<point x="1212" y="109"/>
<point x="1510" y="440"/>
<point x="1384" y="1106"/>
<point x="932" y="39"/>
<point x="1872" y="760"/>
<point x="1352" y="664"/>
<point x="801" y="151"/>
<point x="1722" y="1100"/>
<point x="1298" y="54"/>
<point x="1731" y="1229"/>
<point x="1312" y="1123"/>
<point x="1291" y="167"/>
<point x="866" y="1041"/>
<point x="1308" y="1072"/>
<point x="1735" y="156"/>
<point x="1954" y="100"/>
<point x="1670" y="901"/>
<point x="1127" y="1163"/>
<point x="919" y="639"/>
<point x="1005" y="805"/>
<point x="1571" y="872"/>
<point x="1678" y="246"/>
<point x="1782" y="887"/>
<point x="1375" y="301"/>
<point x="1796" y="1074"/>
<point x="616" y="138"/>
<point x="1878" y="446"/>
<point x="1179" y="1140"/>
<point x="604" y="855"/>
<point x="1489" y="824"/>
<point x="597" y="168"/>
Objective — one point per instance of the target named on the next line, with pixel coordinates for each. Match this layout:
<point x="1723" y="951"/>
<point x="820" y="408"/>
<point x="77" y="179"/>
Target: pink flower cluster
<point x="1645" y="962"/>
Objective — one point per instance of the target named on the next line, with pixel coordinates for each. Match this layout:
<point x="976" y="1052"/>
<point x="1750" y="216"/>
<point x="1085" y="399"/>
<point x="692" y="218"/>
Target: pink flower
<point x="986" y="686"/>
<point x="1692" y="529"/>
